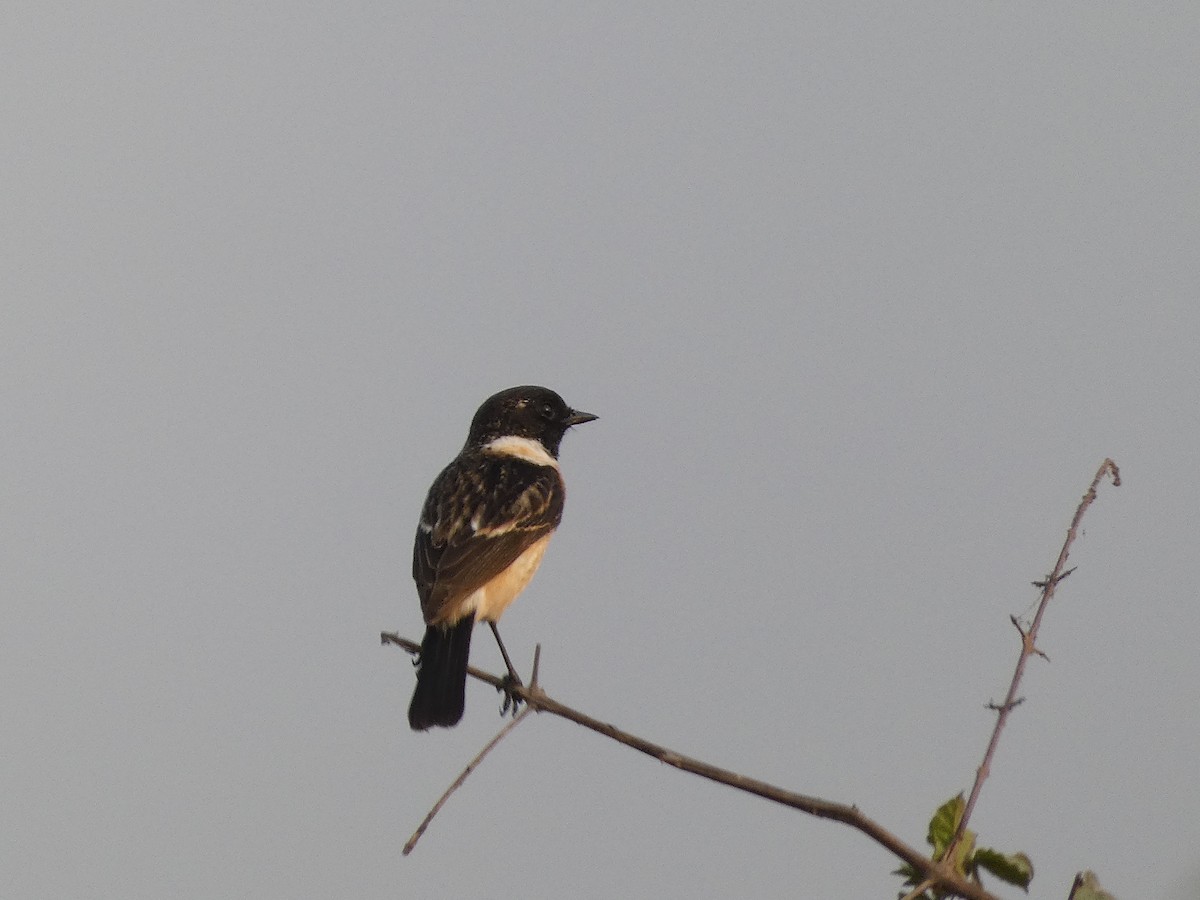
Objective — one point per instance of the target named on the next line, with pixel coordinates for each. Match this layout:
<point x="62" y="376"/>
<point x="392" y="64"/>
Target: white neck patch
<point x="522" y="448"/>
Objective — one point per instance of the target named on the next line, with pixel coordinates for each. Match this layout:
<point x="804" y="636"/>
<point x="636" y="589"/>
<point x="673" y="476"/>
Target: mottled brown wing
<point x="482" y="512"/>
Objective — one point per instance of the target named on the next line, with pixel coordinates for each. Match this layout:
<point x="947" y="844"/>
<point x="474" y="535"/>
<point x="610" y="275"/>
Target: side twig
<point x="474" y="764"/>
<point x="1029" y="641"/>
<point x="479" y="757"/>
<point x="538" y="700"/>
<point x="471" y="766"/>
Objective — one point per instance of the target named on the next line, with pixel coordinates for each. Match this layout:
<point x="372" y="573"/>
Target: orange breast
<point x="491" y="600"/>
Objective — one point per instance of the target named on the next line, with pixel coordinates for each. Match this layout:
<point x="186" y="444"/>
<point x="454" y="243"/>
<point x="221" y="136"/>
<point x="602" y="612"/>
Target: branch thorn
<point x="1004" y="707"/>
<point x="1053" y="580"/>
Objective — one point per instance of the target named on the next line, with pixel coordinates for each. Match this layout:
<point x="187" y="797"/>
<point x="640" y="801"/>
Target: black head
<point x="528" y="411"/>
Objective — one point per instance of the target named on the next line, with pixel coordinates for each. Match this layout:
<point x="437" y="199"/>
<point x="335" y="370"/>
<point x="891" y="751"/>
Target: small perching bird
<point x="485" y="525"/>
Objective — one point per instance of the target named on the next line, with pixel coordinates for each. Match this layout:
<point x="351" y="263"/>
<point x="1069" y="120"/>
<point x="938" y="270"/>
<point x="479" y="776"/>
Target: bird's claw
<point x="512" y="702"/>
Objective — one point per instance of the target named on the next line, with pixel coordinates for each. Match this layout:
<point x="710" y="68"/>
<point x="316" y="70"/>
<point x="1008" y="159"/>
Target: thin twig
<point x="537" y="699"/>
<point x="1029" y="643"/>
<point x="471" y="766"/>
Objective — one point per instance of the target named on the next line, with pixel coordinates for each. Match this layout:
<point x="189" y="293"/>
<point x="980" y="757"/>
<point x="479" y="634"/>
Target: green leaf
<point x="964" y="852"/>
<point x="1087" y="887"/>
<point x="1013" y="868"/>
<point x="943" y="825"/>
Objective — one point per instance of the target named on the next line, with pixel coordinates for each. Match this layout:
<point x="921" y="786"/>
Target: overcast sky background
<point x="863" y="294"/>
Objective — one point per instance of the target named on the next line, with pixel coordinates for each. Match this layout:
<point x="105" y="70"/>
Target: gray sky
<point x="863" y="294"/>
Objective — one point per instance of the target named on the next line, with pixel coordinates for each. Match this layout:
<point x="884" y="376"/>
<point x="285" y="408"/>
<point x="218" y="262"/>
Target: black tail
<point x="442" y="676"/>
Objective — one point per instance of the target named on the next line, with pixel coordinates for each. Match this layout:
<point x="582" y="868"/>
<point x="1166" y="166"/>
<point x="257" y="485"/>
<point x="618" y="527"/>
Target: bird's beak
<point x="578" y="418"/>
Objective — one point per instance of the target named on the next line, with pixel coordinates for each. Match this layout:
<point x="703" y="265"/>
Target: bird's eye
<point x="546" y="411"/>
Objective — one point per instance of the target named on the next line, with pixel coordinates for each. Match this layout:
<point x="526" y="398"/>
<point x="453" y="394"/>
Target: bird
<point x="483" y="530"/>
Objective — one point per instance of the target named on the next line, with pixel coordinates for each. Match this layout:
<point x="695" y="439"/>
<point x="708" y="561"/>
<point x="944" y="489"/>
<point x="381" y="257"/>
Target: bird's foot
<point x="512" y="701"/>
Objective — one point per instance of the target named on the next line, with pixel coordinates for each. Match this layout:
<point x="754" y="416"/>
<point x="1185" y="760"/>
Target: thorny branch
<point x="1029" y="641"/>
<point x="538" y="700"/>
<point x="936" y="875"/>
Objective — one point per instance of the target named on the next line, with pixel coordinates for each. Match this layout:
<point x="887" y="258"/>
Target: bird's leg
<point x="511" y="700"/>
<point x="512" y="673"/>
